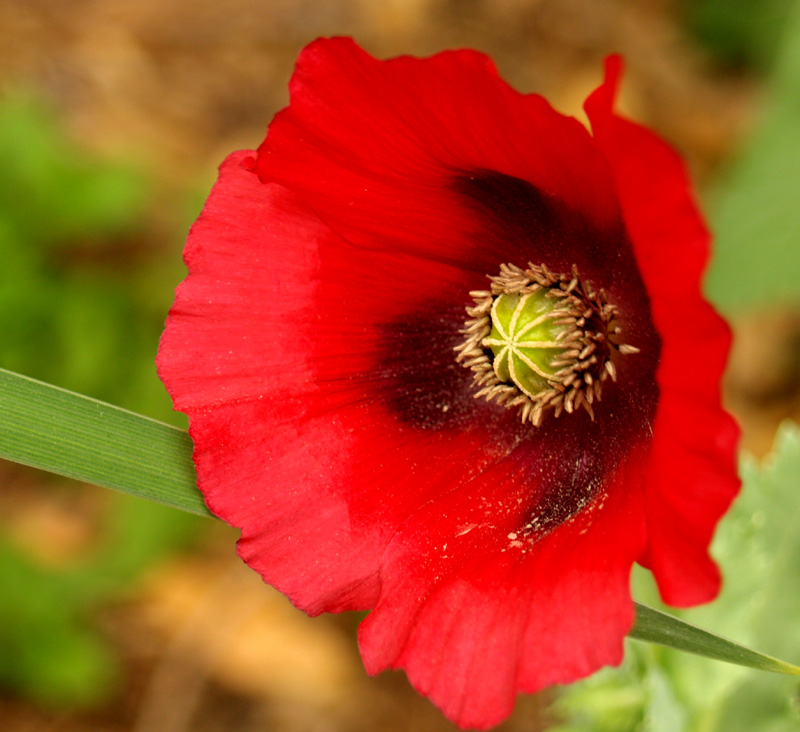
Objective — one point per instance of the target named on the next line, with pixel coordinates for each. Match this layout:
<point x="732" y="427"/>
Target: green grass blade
<point x="656" y="627"/>
<point x="66" y="433"/>
<point x="72" y="435"/>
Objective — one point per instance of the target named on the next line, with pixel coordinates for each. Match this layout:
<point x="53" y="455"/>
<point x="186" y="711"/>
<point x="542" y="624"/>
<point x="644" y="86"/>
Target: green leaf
<point x="773" y="610"/>
<point x="655" y="626"/>
<point x="66" y="433"/>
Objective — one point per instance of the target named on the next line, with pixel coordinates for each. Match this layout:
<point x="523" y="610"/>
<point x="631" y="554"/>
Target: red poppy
<point x="328" y="352"/>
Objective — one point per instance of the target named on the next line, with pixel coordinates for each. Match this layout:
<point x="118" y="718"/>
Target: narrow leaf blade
<point x="655" y="626"/>
<point x="57" y="430"/>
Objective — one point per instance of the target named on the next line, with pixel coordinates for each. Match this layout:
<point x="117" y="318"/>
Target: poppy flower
<point x="445" y="358"/>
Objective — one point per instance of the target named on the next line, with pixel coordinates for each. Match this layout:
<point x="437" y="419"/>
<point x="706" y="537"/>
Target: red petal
<point x="690" y="486"/>
<point x="373" y="146"/>
<point x="476" y="611"/>
<point x="234" y="356"/>
<point x="692" y="475"/>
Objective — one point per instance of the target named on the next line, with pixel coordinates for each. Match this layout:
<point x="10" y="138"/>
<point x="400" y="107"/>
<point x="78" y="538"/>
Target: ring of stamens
<point x="555" y="360"/>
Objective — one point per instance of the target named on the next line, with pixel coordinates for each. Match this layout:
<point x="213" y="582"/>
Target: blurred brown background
<point x="175" y="85"/>
<point x="183" y="83"/>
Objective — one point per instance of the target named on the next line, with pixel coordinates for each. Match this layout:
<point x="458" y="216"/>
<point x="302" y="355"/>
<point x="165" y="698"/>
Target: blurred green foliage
<point x="48" y="647"/>
<point x="740" y="33"/>
<point x="83" y="296"/>
<point x="758" y="547"/>
<point x="754" y="206"/>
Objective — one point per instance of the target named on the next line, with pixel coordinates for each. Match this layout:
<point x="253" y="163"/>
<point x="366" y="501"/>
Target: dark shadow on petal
<point x="520" y="223"/>
<point x="427" y="388"/>
<point x="567" y="461"/>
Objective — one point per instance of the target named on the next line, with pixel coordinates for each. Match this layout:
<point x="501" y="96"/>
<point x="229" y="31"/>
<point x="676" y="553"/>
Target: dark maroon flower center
<point x="565" y="462"/>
